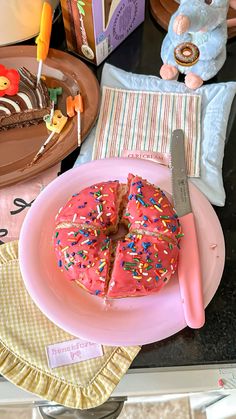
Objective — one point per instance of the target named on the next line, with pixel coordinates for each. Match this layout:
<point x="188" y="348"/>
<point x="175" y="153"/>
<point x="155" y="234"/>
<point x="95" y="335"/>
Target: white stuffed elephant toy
<point x="195" y="44"/>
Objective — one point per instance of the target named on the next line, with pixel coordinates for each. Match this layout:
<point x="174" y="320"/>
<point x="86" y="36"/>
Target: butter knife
<point x="189" y="265"/>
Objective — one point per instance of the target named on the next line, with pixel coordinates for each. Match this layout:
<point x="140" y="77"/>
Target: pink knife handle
<point x="189" y="274"/>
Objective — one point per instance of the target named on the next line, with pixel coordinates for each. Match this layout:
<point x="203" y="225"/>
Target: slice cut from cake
<point x="143" y="265"/>
<point x="84" y="255"/>
<point x="97" y="206"/>
<point x="148" y="209"/>
<point x="28" y="106"/>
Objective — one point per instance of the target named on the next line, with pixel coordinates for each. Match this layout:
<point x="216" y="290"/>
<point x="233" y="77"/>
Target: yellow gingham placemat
<point x="142" y="122"/>
<point x="24" y="334"/>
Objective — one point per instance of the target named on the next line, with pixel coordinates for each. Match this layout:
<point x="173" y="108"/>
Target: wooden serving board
<point x="163" y="9"/>
<point x="18" y="146"/>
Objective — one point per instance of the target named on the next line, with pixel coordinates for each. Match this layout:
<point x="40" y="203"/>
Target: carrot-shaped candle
<point x="43" y="39"/>
<point x="73" y="106"/>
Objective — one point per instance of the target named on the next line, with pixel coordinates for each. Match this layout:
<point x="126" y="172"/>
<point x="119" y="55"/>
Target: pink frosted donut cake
<point x="85" y="257"/>
<point x="97" y="206"/>
<point x="148" y="209"/>
<point x="140" y="264"/>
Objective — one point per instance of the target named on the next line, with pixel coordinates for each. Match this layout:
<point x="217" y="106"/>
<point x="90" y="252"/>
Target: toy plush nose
<point x="181" y="24"/>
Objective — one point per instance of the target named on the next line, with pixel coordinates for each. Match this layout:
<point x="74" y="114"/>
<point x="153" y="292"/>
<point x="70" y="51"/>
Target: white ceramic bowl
<point x="20" y="19"/>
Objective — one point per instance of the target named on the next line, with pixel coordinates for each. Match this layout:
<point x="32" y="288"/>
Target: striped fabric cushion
<point x="143" y="121"/>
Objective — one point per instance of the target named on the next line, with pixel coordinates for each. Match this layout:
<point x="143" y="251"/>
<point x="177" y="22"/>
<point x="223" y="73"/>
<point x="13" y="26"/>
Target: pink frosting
<point x="143" y="265"/>
<point x="149" y="209"/>
<point x="95" y="205"/>
<point x="84" y="255"/>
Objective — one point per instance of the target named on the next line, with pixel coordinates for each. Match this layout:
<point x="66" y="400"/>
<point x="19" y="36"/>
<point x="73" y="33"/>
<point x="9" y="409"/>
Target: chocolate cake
<point x="28" y="106"/>
<point x="107" y="7"/>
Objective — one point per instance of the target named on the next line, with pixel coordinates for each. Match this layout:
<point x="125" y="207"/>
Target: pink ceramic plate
<point x="128" y="321"/>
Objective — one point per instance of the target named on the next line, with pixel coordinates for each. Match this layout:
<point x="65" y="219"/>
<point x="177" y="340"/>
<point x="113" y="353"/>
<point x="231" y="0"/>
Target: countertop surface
<point x="215" y="343"/>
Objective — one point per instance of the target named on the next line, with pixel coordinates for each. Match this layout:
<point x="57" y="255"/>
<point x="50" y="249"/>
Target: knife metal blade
<point x="179" y="174"/>
<point x="189" y="265"/>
